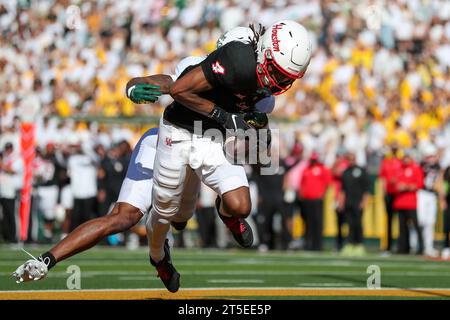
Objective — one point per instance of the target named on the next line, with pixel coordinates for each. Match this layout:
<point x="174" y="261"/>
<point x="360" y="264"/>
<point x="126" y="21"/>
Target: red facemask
<point x="273" y="76"/>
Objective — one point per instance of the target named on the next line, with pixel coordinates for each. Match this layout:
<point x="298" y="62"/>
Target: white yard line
<point x="328" y="285"/>
<point x="58" y="274"/>
<point x="249" y="262"/>
<point x="139" y="278"/>
<point x="235" y="281"/>
<point x="220" y="288"/>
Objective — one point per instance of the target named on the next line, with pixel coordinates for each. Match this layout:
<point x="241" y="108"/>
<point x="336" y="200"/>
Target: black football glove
<point x="256" y="119"/>
<point x="230" y="121"/>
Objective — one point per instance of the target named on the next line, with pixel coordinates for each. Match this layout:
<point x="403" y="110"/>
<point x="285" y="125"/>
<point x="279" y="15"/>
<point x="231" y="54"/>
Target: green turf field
<point x="241" y="273"/>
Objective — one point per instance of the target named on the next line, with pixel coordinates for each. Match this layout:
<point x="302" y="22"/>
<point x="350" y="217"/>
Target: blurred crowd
<point x="379" y="78"/>
<point x="74" y="179"/>
<point x="415" y="190"/>
<point x="379" y="72"/>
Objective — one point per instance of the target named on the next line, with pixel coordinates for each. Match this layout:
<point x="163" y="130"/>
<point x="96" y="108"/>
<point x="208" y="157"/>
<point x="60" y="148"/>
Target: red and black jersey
<point x="410" y="174"/>
<point x="314" y="182"/>
<point x="388" y="173"/>
<point x="231" y="71"/>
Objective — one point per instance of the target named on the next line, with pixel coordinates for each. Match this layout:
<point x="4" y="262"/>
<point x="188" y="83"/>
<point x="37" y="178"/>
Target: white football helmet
<point x="241" y="34"/>
<point x="283" y="55"/>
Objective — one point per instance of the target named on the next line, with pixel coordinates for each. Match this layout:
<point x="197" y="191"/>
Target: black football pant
<point x="354" y="219"/>
<point x="388" y="201"/>
<point x="9" y="219"/>
<point x="206" y="218"/>
<point x="447" y="224"/>
<point x="407" y="217"/>
<point x="83" y="210"/>
<point x="267" y="209"/>
<point x="340" y="219"/>
<point x="313" y="210"/>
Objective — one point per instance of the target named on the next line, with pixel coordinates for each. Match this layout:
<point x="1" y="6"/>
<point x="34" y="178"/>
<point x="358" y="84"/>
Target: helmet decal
<point x="275" y="41"/>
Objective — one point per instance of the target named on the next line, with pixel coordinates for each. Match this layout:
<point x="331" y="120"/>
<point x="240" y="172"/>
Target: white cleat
<point x="32" y="270"/>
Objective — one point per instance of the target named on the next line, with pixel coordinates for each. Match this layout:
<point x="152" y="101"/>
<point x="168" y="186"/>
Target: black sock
<point x="48" y="259"/>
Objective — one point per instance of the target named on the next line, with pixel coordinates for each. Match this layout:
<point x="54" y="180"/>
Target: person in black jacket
<point x="113" y="167"/>
<point x="271" y="201"/>
<point x="446" y="208"/>
<point x="355" y="192"/>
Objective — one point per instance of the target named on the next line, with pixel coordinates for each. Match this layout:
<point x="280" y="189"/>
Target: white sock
<point x="157" y="230"/>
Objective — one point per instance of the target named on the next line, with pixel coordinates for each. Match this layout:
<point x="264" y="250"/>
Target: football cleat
<point x="240" y="229"/>
<point x="166" y="271"/>
<point x="32" y="270"/>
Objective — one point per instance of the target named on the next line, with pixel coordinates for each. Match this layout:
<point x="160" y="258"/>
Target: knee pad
<point x="164" y="201"/>
<point x="167" y="189"/>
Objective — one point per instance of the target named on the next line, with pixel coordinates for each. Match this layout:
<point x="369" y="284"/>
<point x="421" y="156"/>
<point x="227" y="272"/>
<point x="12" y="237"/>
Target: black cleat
<point x="240" y="229"/>
<point x="166" y="271"/>
<point x="179" y="226"/>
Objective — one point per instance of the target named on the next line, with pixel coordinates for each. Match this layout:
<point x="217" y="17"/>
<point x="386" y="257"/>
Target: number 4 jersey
<point x="231" y="71"/>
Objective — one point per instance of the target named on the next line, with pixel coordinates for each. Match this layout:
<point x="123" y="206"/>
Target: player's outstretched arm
<point x="148" y="89"/>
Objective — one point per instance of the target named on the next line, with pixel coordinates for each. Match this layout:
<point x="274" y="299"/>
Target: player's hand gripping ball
<point x="242" y="149"/>
<point x="257" y="120"/>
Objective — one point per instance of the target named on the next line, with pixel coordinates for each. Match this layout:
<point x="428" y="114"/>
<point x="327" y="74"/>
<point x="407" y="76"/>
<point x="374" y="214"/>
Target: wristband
<point x="130" y="89"/>
<point x="219" y="115"/>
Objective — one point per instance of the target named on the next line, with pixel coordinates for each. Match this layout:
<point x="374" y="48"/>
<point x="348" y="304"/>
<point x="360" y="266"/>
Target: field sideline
<point x="115" y="273"/>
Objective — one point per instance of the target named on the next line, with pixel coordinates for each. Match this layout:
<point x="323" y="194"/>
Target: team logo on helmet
<point x="275" y="41"/>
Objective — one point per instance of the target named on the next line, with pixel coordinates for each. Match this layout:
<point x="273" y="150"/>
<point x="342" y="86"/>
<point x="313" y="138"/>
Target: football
<point x="243" y="148"/>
